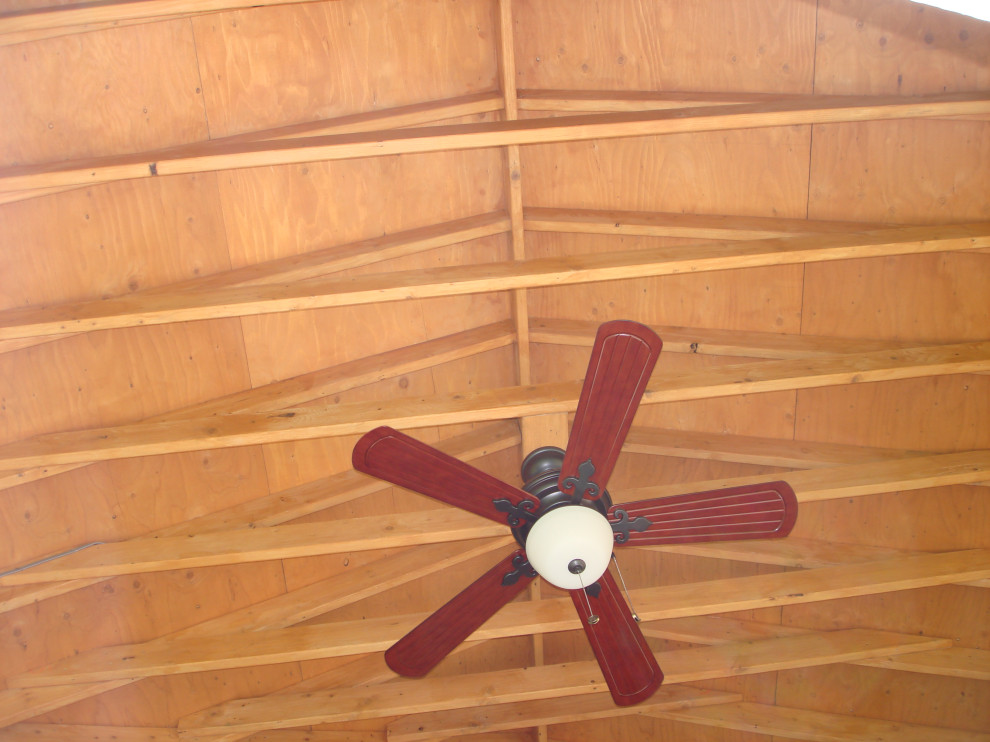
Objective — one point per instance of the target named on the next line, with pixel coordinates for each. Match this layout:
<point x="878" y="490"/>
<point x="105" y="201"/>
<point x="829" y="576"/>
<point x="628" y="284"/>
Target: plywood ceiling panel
<point x="861" y="379"/>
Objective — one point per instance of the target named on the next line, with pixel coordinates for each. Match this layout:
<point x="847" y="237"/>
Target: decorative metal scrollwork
<point x="516" y="514"/>
<point x="582" y="485"/>
<point x="624" y="525"/>
<point x="522" y="568"/>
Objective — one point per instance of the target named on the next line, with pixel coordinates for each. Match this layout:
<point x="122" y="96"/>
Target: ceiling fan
<point x="565" y="522"/>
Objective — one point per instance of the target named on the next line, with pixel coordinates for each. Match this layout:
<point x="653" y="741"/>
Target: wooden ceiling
<point x="236" y="235"/>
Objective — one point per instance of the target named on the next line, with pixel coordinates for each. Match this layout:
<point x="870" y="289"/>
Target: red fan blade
<point x="631" y="670"/>
<point x="421" y="649"/>
<point x="621" y="363"/>
<point x="751" y="511"/>
<point x="395" y="457"/>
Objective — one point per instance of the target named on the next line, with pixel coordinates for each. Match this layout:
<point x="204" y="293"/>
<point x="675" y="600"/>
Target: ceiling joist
<point x="343" y="638"/>
<point x="550" y="681"/>
<point x="155" y="554"/>
<point x="203" y="549"/>
<point x="120" y="10"/>
<point x="524" y="714"/>
<point x="320" y="262"/>
<point x="221" y="431"/>
<point x="321" y="383"/>
<point x="693" y="226"/>
<point x="415" y="114"/>
<point x="617" y="101"/>
<point x="316" y="293"/>
<point x="960" y="662"/>
<point x="90" y="733"/>
<point x="197" y="158"/>
<point x="712" y="341"/>
<point x="285" y="505"/>
<point x="815" y="726"/>
<point x="745" y="449"/>
<point x="855" y="480"/>
<point x="296" y="606"/>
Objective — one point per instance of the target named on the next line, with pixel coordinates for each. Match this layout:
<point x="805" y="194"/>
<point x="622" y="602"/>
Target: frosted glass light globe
<point x="565" y="534"/>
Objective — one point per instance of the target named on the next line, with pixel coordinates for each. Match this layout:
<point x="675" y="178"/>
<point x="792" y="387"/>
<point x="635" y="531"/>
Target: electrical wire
<point x="51" y="558"/>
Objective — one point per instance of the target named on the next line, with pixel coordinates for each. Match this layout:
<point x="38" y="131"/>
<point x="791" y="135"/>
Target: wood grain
<point x="193" y="159"/>
<point x="460" y="280"/>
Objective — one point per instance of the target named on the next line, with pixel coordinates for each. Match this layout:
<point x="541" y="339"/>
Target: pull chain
<point x="592" y="618"/>
<point x="626" y="591"/>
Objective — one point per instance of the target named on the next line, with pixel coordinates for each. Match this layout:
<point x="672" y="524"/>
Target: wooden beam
<point x="816" y="726"/>
<point x="706" y="341"/>
<point x="201" y="158"/>
<point x="364" y="671"/>
<point x="694" y="226"/>
<point x="744" y="449"/>
<point x="551" y="681"/>
<point x="795" y="552"/>
<point x="503" y="716"/>
<point x="281" y="507"/>
<point x="320" y="262"/>
<point x="321" y="383"/>
<point x="337" y="258"/>
<point x="157" y="554"/>
<point x="855" y="480"/>
<point x="323" y="596"/>
<point x="415" y="114"/>
<point x="486" y="277"/>
<point x="513" y="180"/>
<point x="222" y="431"/>
<point x="120" y="10"/>
<point x="959" y="662"/>
<point x="344" y="638"/>
<point x="87" y="733"/>
<point x="279" y="612"/>
<point x="789" y="552"/>
<point x="619" y="101"/>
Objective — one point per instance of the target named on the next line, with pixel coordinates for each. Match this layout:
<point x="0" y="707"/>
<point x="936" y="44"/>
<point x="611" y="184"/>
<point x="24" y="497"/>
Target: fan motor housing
<point x="541" y="475"/>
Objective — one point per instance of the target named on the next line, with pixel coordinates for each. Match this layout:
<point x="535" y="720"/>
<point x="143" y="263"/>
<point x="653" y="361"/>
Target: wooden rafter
<point x="346" y="638"/>
<point x="815" y="726"/>
<point x="240" y="429"/>
<point x="320" y="262"/>
<point x="280" y="611"/>
<point x="322" y="383"/>
<point x="283" y="506"/>
<point x="275" y="542"/>
<point x="120" y="10"/>
<point x="745" y="449"/>
<point x="200" y="158"/>
<point x="441" y="724"/>
<point x="856" y="480"/>
<point x="473" y="279"/>
<point x="960" y="662"/>
<point x="709" y="341"/>
<point x="693" y="226"/>
<point x="416" y="114"/>
<point x="158" y="553"/>
<point x="550" y="681"/>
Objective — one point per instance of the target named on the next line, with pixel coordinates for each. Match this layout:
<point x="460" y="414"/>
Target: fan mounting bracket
<point x="541" y="474"/>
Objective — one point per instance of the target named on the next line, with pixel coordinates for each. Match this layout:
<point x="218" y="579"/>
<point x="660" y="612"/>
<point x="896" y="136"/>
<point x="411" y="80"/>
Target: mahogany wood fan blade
<point x="766" y="510"/>
<point x="397" y="458"/>
<point x="564" y="518"/>
<point x="622" y="360"/>
<point x="631" y="671"/>
<point x="424" y="647"/>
